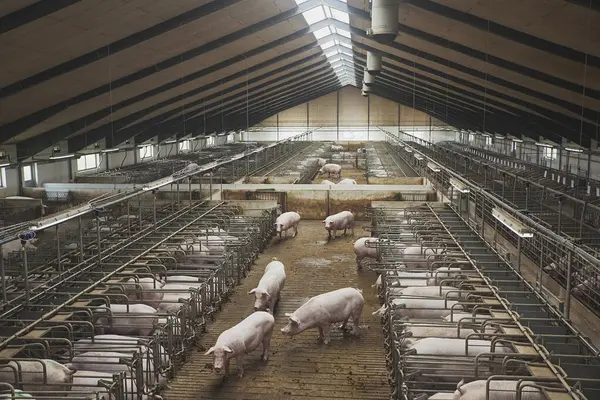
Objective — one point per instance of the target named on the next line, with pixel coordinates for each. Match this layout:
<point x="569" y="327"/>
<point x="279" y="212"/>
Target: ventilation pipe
<point x="365" y="89"/>
<point x="368" y="79"/>
<point x="384" y="20"/>
<point x="373" y="63"/>
<point x="365" y="94"/>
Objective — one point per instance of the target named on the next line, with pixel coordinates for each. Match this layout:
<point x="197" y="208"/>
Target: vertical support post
<point x="368" y="116"/>
<point x="559" y="215"/>
<point x="98" y="237"/>
<point x="128" y="220"/>
<point x="307" y="116"/>
<point x="541" y="271"/>
<point x="519" y="253"/>
<point x="25" y="271"/>
<point x="2" y="276"/>
<point x="58" y="257"/>
<point x="153" y="210"/>
<point x="277" y="127"/>
<point x="567" y="311"/>
<point x="20" y="178"/>
<point x="399" y="119"/>
<point x="80" y="239"/>
<point x="189" y="189"/>
<point x="483" y="216"/>
<point x="337" y="121"/>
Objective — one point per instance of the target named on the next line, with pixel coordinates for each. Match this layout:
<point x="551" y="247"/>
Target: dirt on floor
<point x="301" y="367"/>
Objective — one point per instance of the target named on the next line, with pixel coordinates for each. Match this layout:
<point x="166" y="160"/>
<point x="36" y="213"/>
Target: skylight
<point x="334" y="49"/>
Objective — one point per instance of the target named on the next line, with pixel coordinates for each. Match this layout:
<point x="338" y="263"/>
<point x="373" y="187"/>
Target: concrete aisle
<point x="299" y="367"/>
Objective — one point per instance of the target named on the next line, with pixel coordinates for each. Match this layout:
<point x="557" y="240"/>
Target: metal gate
<point x="279" y="197"/>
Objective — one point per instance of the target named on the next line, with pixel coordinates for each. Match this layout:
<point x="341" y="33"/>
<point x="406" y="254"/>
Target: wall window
<point x="184" y="145"/>
<point x="514" y="146"/>
<point x="146" y="152"/>
<point x="3" y="178"/>
<point x="550" y="153"/>
<point x="210" y="141"/>
<point x="29" y="173"/>
<point x="488" y="140"/>
<point x="89" y="161"/>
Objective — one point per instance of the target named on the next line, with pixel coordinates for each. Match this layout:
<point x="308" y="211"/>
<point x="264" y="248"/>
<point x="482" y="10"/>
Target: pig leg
<point x="273" y="303"/>
<point x="239" y="360"/>
<point x="334" y="231"/>
<point x="325" y="332"/>
<point x="356" y="319"/>
<point x="295" y="230"/>
<point x="344" y="323"/>
<point x="345" y="231"/>
<point x="266" y="342"/>
<point x="358" y="260"/>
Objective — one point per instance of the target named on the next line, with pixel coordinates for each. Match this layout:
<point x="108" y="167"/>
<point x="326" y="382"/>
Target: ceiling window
<point x="88" y="161"/>
<point x="333" y="47"/>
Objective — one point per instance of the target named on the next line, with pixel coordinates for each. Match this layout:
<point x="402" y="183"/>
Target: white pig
<point x="147" y="285"/>
<point x="242" y="339"/>
<point x="287" y="220"/>
<point x="325" y="309"/>
<point x="347" y="181"/>
<point x="334" y="169"/>
<point x="170" y="301"/>
<point x="421" y="308"/>
<point x="414" y="257"/>
<point x="499" y="390"/>
<point x="457" y="316"/>
<point x="427" y="291"/>
<point x="326" y="182"/>
<point x="336" y="147"/>
<point x="446" y="331"/>
<point x="269" y="287"/>
<point x="453" y="347"/>
<point x="362" y="251"/>
<point x="321" y="162"/>
<point x="58" y="376"/>
<point x="140" y="319"/>
<point x="192" y="281"/>
<point x="86" y="382"/>
<point x="336" y="222"/>
<point x="119" y="343"/>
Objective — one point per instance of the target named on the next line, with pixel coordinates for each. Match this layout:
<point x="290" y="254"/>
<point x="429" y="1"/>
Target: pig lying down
<point x="329" y="169"/>
<point x="287" y="220"/>
<point x="347" y="181"/>
<point x="336" y="222"/>
<point x="326" y="182"/>
<point x="499" y="390"/>
<point x="269" y="287"/>
<point x="242" y="339"/>
<point x="325" y="309"/>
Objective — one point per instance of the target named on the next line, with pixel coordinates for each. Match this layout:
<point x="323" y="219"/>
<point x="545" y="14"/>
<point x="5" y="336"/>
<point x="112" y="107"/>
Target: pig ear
<point x="323" y="221"/>
<point x="209" y="351"/>
<point x="252" y="291"/>
<point x="227" y="349"/>
<point x="292" y="318"/>
<point x="266" y="294"/>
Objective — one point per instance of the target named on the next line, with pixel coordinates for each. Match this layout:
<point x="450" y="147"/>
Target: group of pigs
<point x="429" y="309"/>
<point x="119" y="325"/>
<point x="318" y="312"/>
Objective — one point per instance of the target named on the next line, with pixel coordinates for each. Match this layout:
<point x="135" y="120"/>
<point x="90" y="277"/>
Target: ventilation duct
<point x="365" y="88"/>
<point x="373" y="63"/>
<point x="368" y="79"/>
<point x="384" y="20"/>
<point x="364" y="93"/>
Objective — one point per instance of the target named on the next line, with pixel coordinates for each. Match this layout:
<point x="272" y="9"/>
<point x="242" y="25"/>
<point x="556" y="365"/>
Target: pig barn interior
<point x="175" y="169"/>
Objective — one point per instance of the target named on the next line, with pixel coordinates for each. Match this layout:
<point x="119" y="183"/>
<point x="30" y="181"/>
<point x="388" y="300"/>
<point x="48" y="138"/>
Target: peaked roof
<point x="84" y="70"/>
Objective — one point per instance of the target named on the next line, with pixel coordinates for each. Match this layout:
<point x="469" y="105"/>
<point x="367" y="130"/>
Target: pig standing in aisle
<point x="242" y="339"/>
<point x="321" y="162"/>
<point x="287" y="220"/>
<point x="334" y="169"/>
<point x="325" y="309"/>
<point x="269" y="287"/>
<point x="336" y="222"/>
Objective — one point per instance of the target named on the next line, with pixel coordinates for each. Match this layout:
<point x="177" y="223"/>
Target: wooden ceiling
<point x="88" y="70"/>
